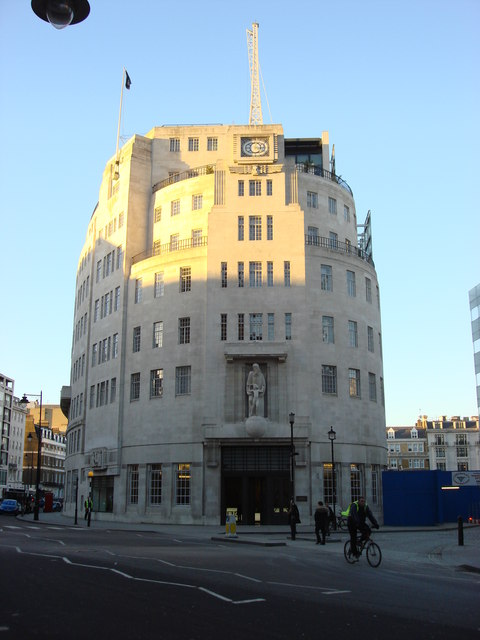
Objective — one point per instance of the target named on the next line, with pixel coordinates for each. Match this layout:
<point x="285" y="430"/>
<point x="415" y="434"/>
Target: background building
<point x="453" y="445"/>
<point x="474" y="297"/>
<point x="407" y="448"/>
<point x="212" y="249"/>
<point x="12" y="437"/>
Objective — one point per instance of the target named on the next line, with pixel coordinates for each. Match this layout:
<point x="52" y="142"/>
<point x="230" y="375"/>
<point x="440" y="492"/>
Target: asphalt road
<point x="65" y="582"/>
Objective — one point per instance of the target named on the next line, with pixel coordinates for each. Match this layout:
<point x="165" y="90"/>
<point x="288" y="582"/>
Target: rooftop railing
<point x="339" y="247"/>
<point x="316" y="170"/>
<point x="184" y="175"/>
<point x="169" y="247"/>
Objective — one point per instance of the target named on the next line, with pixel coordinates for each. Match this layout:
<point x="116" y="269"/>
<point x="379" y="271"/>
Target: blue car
<point x="9" y="507"/>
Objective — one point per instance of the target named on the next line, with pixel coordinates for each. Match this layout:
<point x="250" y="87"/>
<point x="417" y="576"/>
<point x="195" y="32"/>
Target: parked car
<point x="9" y="507"/>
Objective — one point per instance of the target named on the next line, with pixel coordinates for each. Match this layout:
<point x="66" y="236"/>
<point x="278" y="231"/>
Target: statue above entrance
<point x="256" y="387"/>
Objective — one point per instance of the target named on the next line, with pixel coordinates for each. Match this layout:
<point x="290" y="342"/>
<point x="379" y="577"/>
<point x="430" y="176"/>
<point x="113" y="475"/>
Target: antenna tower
<point x="255" y="101"/>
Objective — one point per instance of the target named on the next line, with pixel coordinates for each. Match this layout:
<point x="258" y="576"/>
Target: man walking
<point x="321" y="522"/>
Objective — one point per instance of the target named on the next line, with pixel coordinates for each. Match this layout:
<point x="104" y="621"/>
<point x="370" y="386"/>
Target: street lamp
<point x="30" y="438"/>
<point x="38" y="431"/>
<point x="291" y="418"/>
<point x="61" y="13"/>
<point x="332" y="436"/>
<point x="90" y="503"/>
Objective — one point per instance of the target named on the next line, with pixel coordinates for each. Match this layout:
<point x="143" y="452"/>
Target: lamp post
<point x="76" y="501"/>
<point x="291" y="418"/>
<point x="332" y="436"/>
<point x="90" y="502"/>
<point x="61" y="13"/>
<point x="38" y="431"/>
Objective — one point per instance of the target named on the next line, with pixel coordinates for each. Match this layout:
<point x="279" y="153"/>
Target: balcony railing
<point x="339" y="247"/>
<point x="174" y="245"/>
<point x="316" y="170"/>
<point x="184" y="175"/>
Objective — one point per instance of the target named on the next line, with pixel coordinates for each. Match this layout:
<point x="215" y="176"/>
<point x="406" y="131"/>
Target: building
<point x="407" y="448"/>
<point x="474" y="298"/>
<point x="454" y="444"/>
<point x="13" y="430"/>
<point x="213" y="249"/>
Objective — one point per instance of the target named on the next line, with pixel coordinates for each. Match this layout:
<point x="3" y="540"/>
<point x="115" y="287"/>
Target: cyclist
<point x="357" y="513"/>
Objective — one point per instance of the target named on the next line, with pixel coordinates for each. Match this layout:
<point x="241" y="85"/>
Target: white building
<point x="474" y="299"/>
<point x="453" y="444"/>
<point x="211" y="249"/>
<point x="13" y="434"/>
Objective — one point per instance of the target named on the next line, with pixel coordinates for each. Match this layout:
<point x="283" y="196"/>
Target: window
<point x="115" y="346"/>
<point x="269" y="188"/>
<point x="255" y="228"/>
<point x="158" y="334"/>
<point x="370" y="339"/>
<point x="351" y="286"/>
<point x="193" y="144"/>
<point x="138" y="290"/>
<point x="174" y="207"/>
<point x="327" y="330"/>
<point x="136" y="339"/>
<point x="332" y="206"/>
<point x="354" y="383"/>
<point x="94" y="354"/>
<point x="156" y="383"/>
<point x="269" y="274"/>
<point x="312" y="199"/>
<point x="119" y="257"/>
<point x="132" y="489"/>
<point x="157" y="214"/>
<point x="368" y="290"/>
<point x="99" y="271"/>
<point x="288" y="326"/>
<point x="224" y="275"/>
<point x="326" y="278"/>
<point x="256" y="326"/>
<point x="352" y="334"/>
<point x="154" y="484"/>
<point x="312" y="236"/>
<point x="196" y="237"/>
<point x="197" y="202"/>
<point x="116" y="300"/>
<point x="134" y="386"/>
<point x="346" y="213"/>
<point x="183" y="381"/>
<point x="185" y="279"/>
<point x="271" y="326"/>
<point x="269" y="227"/>
<point x="241" y="275"/>
<point x="241" y="326"/>
<point x="241" y="228"/>
<point x="223" y="326"/>
<point x="157" y="248"/>
<point x="159" y="285"/>
<point x="333" y="240"/>
<point x="121" y="220"/>
<point x="182" y="493"/>
<point x="255" y="274"/>
<point x="254" y="187"/>
<point x="212" y="144"/>
<point x="372" y="387"/>
<point x="286" y="273"/>
<point x="113" y="390"/>
<point x="183" y="330"/>
<point x="174" y="144"/>
<point x="241" y="187"/>
<point x="329" y="379"/>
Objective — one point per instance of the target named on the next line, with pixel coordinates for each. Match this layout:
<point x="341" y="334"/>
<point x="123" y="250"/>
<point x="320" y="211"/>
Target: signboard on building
<point x="466" y="478"/>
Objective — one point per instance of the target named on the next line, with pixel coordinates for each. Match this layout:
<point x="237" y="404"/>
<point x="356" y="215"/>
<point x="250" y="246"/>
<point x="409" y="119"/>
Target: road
<point x="66" y="582"/>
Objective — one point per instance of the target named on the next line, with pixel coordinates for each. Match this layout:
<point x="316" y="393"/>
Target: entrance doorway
<point x="256" y="484"/>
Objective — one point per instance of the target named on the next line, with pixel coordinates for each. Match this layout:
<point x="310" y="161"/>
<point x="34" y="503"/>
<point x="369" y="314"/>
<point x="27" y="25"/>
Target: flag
<point x="128" y="82"/>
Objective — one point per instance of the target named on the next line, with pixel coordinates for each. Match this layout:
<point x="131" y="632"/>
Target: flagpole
<point x="118" y="128"/>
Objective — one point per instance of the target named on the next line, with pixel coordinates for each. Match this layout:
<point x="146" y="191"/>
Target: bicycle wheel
<point x="347" y="552"/>
<point x="374" y="554"/>
<point x="342" y="524"/>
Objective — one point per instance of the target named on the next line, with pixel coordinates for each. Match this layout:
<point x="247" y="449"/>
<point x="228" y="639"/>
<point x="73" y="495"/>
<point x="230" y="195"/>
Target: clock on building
<point x="254" y="147"/>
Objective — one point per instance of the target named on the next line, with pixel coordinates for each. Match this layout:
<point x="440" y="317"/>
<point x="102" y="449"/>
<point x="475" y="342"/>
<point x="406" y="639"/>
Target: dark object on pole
<point x="61" y="13"/>
<point x="292" y="457"/>
<point x="76" y="501"/>
<point x="460" y="531"/>
<point x="332" y="436"/>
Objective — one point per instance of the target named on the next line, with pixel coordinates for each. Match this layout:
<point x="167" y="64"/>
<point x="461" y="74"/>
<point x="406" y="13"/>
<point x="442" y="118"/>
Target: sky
<point x="395" y="83"/>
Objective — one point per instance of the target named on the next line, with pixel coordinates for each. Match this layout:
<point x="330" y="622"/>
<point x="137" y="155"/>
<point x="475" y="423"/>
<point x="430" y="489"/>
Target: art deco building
<point x="212" y="249"/>
<point x="474" y="299"/>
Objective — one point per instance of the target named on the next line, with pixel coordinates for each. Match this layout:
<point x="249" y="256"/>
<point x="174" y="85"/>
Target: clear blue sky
<point x="396" y="84"/>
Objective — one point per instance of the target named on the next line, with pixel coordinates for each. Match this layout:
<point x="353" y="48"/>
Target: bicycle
<point x="372" y="550"/>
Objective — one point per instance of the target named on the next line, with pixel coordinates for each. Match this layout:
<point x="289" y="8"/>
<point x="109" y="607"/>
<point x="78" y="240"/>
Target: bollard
<point x="460" y="531"/>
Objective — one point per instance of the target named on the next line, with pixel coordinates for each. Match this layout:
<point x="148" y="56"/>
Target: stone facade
<point x="217" y="248"/>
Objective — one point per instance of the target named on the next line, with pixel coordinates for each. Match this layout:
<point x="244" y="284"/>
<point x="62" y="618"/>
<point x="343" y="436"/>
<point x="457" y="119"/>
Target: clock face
<point x="254" y="147"/>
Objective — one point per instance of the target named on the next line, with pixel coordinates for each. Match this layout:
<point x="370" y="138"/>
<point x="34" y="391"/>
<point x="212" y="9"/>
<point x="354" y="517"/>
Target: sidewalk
<point x="442" y="546"/>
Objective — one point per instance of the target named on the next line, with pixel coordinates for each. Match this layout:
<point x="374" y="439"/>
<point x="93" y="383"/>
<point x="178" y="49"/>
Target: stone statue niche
<point x="255" y="388"/>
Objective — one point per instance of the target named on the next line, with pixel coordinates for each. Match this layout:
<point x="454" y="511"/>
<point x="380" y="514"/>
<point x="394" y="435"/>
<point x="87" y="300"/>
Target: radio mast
<point x="255" y="101"/>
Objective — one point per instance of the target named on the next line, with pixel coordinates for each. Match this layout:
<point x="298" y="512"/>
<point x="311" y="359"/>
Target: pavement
<point x="439" y="544"/>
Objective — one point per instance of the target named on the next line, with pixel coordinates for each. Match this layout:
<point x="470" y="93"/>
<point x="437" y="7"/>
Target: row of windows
<point x="329" y="383"/>
<point x="255" y="188"/>
<point x="105" y="349"/>
<point x="153" y="487"/>
<point x="312" y="202"/>
<point x="107" y="304"/>
<point x="183" y="383"/>
<point x="112" y="226"/>
<point x="113" y="260"/>
<point x="254" y="227"/>
<point x="328" y="334"/>
<point x="83" y="290"/>
<point x="103" y="393"/>
<point x="76" y="406"/>
<point x="255" y="274"/>
<point x="193" y="144"/>
<point x="81" y="327"/>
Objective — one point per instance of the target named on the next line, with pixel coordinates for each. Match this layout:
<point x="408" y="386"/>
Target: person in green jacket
<point x="357" y="514"/>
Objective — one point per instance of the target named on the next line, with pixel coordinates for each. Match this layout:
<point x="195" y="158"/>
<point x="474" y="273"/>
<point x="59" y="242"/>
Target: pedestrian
<point x="321" y="522"/>
<point x="293" y="518"/>
<point x="331" y="519"/>
<point x="88" y="506"/>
